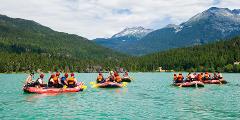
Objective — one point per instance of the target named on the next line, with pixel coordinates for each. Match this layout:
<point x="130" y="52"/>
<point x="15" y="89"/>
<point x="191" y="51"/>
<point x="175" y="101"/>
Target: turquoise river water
<point x="150" y="96"/>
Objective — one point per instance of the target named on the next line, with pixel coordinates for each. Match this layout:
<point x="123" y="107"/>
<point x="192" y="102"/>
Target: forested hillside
<point x="218" y="56"/>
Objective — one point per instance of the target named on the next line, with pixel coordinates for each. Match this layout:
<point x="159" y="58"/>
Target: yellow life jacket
<point x="71" y="80"/>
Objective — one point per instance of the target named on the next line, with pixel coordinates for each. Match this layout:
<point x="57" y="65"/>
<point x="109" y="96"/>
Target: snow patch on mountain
<point x="138" y="32"/>
<point x="177" y="28"/>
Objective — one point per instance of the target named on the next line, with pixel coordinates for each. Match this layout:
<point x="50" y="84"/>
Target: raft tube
<point x="51" y="90"/>
<point x="126" y="80"/>
<point x="109" y="85"/>
<point x="190" y="84"/>
<point x="215" y="82"/>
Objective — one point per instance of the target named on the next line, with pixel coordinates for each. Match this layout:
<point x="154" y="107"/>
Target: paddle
<point x="124" y="84"/>
<point x="94" y="84"/>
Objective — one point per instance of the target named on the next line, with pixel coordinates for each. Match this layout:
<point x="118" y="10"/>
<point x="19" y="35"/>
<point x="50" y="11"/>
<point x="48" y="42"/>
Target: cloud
<point x="103" y="18"/>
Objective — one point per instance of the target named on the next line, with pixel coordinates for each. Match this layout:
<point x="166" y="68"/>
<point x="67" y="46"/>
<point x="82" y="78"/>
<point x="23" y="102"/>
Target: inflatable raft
<point x="190" y="84"/>
<point x="43" y="90"/>
<point x="109" y="85"/>
<point x="215" y="82"/>
<point x="126" y="80"/>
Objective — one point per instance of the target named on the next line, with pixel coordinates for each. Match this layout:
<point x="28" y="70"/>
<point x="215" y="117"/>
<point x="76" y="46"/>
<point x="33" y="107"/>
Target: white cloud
<point x="103" y="18"/>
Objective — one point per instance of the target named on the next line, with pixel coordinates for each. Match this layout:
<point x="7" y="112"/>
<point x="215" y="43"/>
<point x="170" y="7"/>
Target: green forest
<point x="28" y="46"/>
<point x="218" y="56"/>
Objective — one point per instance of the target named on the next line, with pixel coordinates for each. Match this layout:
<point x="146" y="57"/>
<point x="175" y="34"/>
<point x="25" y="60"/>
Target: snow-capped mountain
<point x="208" y="26"/>
<point x="124" y="38"/>
<point x="137" y="32"/>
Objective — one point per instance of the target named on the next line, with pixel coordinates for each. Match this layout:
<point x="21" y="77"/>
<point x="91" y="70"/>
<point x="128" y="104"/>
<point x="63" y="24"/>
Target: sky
<point x="104" y="18"/>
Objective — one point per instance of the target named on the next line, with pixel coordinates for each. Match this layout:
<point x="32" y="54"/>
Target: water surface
<point x="149" y="96"/>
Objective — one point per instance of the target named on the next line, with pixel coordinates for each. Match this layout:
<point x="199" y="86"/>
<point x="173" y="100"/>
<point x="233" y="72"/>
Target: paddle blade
<point x="124" y="84"/>
<point x="92" y="83"/>
<point x="84" y="87"/>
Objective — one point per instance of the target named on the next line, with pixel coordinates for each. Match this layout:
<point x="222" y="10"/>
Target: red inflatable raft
<point x="190" y="84"/>
<point x="51" y="90"/>
<point x="215" y="82"/>
<point x="109" y="85"/>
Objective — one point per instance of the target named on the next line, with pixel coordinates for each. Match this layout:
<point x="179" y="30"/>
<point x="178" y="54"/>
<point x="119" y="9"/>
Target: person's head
<point x="115" y="74"/>
<point x="66" y="75"/>
<point x="218" y="72"/>
<point x="32" y="74"/>
<point x="100" y="74"/>
<point x="57" y="73"/>
<point x="180" y="73"/>
<point x="111" y="72"/>
<point x="201" y="73"/>
<point x="72" y="74"/>
<point x="206" y="72"/>
<point x="174" y="74"/>
<point x="52" y="76"/>
<point x="194" y="73"/>
<point x="41" y="75"/>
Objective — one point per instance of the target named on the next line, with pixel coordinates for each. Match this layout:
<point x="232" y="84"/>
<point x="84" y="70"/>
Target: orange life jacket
<point x="179" y="77"/>
<point x="206" y="76"/>
<point x="55" y="80"/>
<point x="99" y="78"/>
<point x="118" y="79"/>
<point x="71" y="80"/>
<point x="199" y="77"/>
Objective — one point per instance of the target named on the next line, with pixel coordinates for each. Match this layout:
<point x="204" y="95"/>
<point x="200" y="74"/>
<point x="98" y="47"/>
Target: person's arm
<point x="65" y="81"/>
<point x="75" y="80"/>
<point x="28" y="79"/>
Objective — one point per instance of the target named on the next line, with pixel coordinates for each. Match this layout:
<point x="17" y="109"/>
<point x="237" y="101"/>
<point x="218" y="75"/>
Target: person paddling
<point x="206" y="76"/>
<point x="100" y="78"/>
<point x="72" y="81"/>
<point x="125" y="75"/>
<point x="64" y="79"/>
<point x="56" y="80"/>
<point x="50" y="80"/>
<point x="219" y="76"/>
<point x="117" y="79"/>
<point x="179" y="78"/>
<point x="39" y="82"/>
<point x="111" y="77"/>
<point x="29" y="81"/>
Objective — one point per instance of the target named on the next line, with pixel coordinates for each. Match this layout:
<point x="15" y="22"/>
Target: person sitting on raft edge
<point x="219" y="76"/>
<point x="56" y="80"/>
<point x="72" y="81"/>
<point x="50" y="80"/>
<point x="100" y="78"/>
<point x="179" y="78"/>
<point x="39" y="82"/>
<point x="125" y="75"/>
<point x="29" y="81"/>
<point x="64" y="79"/>
<point x="111" y="77"/>
<point x="206" y="76"/>
<point x="117" y="79"/>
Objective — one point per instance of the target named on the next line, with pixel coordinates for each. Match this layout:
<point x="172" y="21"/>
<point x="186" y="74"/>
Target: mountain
<point x="26" y="43"/>
<point x="206" y="27"/>
<point x="124" y="38"/>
